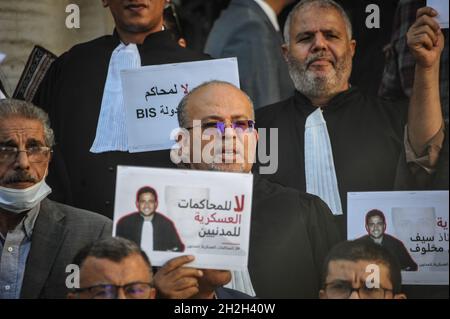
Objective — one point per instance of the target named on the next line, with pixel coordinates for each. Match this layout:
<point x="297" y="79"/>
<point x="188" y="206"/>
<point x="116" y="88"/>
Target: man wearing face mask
<point x="38" y="237"/>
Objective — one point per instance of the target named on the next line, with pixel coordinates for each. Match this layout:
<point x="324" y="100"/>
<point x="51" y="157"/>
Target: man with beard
<point x="84" y="86"/>
<point x="290" y="233"/>
<point x="332" y="138"/>
<point x="38" y="237"/>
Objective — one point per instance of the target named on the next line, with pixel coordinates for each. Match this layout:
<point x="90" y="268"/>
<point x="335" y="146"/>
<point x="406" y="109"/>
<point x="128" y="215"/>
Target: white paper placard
<point x="418" y="219"/>
<point x="152" y="93"/>
<point x="210" y="213"/>
<point x="441" y="6"/>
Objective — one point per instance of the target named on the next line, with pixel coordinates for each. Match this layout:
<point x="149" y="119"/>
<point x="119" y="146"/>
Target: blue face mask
<point x="21" y="200"/>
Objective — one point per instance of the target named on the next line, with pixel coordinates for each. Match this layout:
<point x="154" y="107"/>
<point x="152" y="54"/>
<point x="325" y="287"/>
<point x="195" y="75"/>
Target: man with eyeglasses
<point x="113" y="268"/>
<point x="361" y="270"/>
<point x="290" y="233"/>
<point x="38" y="237"/>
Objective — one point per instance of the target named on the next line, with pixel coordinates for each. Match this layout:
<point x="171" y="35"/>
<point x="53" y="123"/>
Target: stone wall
<point x="25" y="23"/>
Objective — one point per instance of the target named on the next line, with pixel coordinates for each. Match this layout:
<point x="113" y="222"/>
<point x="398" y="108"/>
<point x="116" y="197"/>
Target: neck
<point x="378" y="240"/>
<point x="276" y="5"/>
<point x="137" y="37"/>
<point x="9" y="221"/>
<point x="323" y="101"/>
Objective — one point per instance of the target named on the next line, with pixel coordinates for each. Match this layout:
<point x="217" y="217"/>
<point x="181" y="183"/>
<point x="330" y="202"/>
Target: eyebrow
<point x="326" y="31"/>
<point x="220" y="118"/>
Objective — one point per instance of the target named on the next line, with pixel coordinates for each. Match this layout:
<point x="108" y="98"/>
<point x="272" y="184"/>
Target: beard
<point x="320" y="85"/>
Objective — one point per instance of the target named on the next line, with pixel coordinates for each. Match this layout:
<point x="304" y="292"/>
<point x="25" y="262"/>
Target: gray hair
<point x="183" y="120"/>
<point x="322" y="4"/>
<point x="26" y="110"/>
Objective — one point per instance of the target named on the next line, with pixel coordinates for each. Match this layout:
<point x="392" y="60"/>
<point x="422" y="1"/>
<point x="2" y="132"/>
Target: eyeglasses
<point x="343" y="290"/>
<point x="220" y="126"/>
<point x="134" y="290"/>
<point x="36" y="154"/>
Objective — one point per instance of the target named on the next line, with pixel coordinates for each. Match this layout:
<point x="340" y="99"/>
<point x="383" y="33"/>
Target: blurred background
<point x="25" y="23"/>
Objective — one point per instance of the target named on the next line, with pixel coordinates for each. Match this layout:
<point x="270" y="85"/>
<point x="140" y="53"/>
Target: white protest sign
<point x="441" y="6"/>
<point x="152" y="93"/>
<point x="200" y="213"/>
<point x="416" y="230"/>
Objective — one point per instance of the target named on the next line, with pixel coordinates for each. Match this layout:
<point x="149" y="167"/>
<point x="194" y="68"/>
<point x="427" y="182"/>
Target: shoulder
<point x="267" y="191"/>
<point x="130" y="218"/>
<point x="75" y="217"/>
<point x="160" y="218"/>
<point x="271" y="113"/>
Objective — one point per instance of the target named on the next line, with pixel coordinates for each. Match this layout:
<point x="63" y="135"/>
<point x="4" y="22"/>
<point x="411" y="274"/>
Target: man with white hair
<point x="338" y="139"/>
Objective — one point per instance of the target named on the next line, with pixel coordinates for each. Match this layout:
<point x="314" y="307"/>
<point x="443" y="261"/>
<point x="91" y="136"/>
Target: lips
<point x="136" y="7"/>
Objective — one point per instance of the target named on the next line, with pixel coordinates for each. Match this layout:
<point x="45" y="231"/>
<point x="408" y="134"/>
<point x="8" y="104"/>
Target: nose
<point x="319" y="43"/>
<point x="121" y="293"/>
<point x="22" y="161"/>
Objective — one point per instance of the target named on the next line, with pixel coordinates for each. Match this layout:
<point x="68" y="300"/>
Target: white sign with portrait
<point x="152" y="93"/>
<point x="175" y="212"/>
<point x="412" y="225"/>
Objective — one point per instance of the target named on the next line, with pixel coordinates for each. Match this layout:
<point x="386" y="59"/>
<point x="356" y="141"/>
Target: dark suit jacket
<point x="165" y="235"/>
<point x="59" y="233"/>
<point x="244" y="31"/>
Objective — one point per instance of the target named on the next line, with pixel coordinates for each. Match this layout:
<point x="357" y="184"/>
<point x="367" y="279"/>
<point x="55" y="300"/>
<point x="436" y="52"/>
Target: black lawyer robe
<point x="290" y="235"/>
<point x="366" y="135"/>
<point x="72" y="94"/>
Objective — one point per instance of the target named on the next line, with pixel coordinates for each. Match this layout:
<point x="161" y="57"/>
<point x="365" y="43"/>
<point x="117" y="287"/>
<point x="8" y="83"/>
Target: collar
<point x="270" y="13"/>
<point x="30" y="220"/>
<point x="340" y="100"/>
<point x="155" y="39"/>
<point x="27" y="223"/>
<point x="147" y="218"/>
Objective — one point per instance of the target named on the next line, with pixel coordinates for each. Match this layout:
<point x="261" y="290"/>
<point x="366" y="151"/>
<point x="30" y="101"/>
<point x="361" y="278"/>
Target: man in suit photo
<point x="146" y="227"/>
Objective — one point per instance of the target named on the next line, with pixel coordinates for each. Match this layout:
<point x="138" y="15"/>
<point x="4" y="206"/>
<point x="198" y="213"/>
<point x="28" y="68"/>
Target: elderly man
<point x="291" y="232"/>
<point x="113" y="268"/>
<point x="361" y="270"/>
<point x="38" y="237"/>
<point x="332" y="138"/>
<point x="84" y="86"/>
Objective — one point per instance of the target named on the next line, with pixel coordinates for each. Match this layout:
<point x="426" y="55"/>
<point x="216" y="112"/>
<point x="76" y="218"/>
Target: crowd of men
<point x="332" y="139"/>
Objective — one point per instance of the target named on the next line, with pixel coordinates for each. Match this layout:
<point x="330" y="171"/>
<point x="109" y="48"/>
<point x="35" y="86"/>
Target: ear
<point x="400" y="296"/>
<point x="322" y="294"/>
<point x="105" y="3"/>
<point x="137" y="205"/>
<point x="156" y="205"/>
<point x="285" y="49"/>
<point x="182" y="42"/>
<point x="353" y="47"/>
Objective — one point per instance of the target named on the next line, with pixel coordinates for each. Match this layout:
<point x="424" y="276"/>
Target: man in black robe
<point x="165" y="236"/>
<point x="376" y="232"/>
<point x="366" y="134"/>
<point x="72" y="94"/>
<point x="290" y="232"/>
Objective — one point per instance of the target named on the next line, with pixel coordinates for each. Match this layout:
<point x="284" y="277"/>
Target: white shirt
<point x="271" y="14"/>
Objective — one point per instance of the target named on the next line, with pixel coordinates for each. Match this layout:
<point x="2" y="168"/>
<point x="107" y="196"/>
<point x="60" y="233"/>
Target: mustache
<point x="317" y="56"/>
<point x="20" y="177"/>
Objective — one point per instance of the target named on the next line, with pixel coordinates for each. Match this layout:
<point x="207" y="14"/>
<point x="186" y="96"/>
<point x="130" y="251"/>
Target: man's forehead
<point x="219" y="101"/>
<point x="306" y="21"/>
<point x="12" y="127"/>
